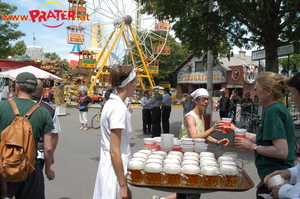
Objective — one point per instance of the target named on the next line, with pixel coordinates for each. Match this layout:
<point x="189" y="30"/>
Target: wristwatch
<point x="255" y="147"/>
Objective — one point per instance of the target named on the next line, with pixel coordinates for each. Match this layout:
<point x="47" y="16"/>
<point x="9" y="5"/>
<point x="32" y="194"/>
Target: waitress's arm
<point x="116" y="159"/>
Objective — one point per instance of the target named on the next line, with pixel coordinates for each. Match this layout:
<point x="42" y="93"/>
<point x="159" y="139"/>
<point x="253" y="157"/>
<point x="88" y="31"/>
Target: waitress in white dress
<point x="116" y="130"/>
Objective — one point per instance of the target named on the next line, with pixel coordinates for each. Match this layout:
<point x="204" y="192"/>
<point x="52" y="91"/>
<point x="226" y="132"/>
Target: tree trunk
<point x="271" y="57"/>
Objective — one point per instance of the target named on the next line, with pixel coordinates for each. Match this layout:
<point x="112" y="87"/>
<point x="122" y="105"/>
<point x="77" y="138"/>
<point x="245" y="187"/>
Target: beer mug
<point x="172" y="175"/>
<point x="191" y="175"/>
<point x="231" y="175"/>
<point x="211" y="177"/>
<point x="238" y="163"/>
<point x="135" y="171"/>
<point x="153" y="174"/>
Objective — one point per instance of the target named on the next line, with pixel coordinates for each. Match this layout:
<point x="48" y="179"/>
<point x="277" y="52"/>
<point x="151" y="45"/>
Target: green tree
<point x="52" y="56"/>
<point x="8" y="29"/>
<point x="266" y="24"/>
<point x="19" y="48"/>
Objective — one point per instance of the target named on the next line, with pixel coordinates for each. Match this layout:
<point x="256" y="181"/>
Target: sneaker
<point x="85" y="129"/>
<point x="81" y="128"/>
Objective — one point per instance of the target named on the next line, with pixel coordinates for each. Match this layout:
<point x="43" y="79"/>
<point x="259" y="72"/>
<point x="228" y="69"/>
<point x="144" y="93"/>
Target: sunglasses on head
<point x="202" y="99"/>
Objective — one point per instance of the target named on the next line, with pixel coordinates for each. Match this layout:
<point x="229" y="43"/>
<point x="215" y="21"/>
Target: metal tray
<point x="245" y="185"/>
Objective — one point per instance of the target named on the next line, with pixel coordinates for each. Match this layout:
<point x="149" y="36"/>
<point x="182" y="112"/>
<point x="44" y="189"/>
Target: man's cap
<point x="26" y="78"/>
<point x="166" y="89"/>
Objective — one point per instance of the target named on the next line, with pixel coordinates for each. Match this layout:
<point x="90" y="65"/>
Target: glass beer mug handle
<point x="128" y="176"/>
<point x="240" y="163"/>
<point x="240" y="179"/>
<point x="222" y="180"/>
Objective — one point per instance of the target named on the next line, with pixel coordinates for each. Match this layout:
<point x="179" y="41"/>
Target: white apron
<point x="114" y="115"/>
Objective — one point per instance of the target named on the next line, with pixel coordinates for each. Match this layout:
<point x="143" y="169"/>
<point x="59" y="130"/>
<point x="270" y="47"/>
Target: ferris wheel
<point x="115" y="32"/>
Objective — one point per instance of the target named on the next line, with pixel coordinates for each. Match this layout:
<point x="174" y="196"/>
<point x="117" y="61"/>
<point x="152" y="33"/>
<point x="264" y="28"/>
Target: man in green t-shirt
<point x="41" y="122"/>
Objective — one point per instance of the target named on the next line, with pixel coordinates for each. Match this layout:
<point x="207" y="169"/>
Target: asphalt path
<point x="77" y="158"/>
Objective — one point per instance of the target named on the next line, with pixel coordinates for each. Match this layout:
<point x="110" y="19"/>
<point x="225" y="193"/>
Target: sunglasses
<point x="202" y="99"/>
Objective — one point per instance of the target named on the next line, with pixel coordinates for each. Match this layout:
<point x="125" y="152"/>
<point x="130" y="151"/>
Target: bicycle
<point x="95" y="123"/>
<point x="252" y="123"/>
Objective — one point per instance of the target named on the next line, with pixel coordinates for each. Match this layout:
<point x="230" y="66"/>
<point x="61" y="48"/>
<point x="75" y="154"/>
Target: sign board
<point x="281" y="51"/>
<point x="200" y="77"/>
<point x="165" y="85"/>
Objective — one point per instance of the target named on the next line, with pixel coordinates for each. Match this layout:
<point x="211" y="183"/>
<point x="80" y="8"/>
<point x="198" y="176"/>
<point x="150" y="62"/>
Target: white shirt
<point x="114" y="116"/>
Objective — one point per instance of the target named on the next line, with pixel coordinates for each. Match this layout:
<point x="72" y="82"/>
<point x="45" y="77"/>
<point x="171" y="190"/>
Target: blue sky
<point x="53" y="39"/>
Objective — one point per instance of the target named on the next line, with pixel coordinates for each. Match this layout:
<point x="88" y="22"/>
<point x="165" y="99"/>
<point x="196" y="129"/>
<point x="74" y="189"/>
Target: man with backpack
<point x="32" y="186"/>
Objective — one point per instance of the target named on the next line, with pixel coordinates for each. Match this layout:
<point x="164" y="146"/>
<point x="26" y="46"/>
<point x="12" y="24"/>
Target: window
<point x="199" y="66"/>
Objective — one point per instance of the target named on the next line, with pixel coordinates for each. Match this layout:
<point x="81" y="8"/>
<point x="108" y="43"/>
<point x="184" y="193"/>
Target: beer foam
<point x="210" y="170"/>
<point x="175" y="153"/>
<point x="153" y="167"/>
<point x="208" y="163"/>
<point x="172" y="168"/>
<point x="138" y="159"/>
<point x="136" y="165"/>
<point x="174" y="157"/>
<point x="171" y="161"/>
<point x="191" y="153"/>
<point x="139" y="155"/>
<point x="162" y="153"/>
<point x="230" y="163"/>
<point x="157" y="156"/>
<point x="154" y="160"/>
<point x="207" y="158"/>
<point x="225" y="158"/>
<point x="189" y="162"/>
<point x="190" y="157"/>
<point x="190" y="169"/>
<point x="228" y="170"/>
<point x="146" y="151"/>
<point x="206" y="153"/>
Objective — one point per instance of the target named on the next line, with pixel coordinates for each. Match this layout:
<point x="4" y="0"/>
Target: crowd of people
<point x="273" y="145"/>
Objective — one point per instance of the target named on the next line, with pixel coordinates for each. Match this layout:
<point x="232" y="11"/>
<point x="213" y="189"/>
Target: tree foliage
<point x="8" y="29"/>
<point x="246" y="23"/>
<point x="52" y="56"/>
<point x="19" y="48"/>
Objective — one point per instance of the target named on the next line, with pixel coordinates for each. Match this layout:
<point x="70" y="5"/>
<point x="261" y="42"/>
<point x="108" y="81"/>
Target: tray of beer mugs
<point x="188" y="170"/>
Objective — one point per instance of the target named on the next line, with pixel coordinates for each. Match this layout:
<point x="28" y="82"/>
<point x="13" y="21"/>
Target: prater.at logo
<point x="40" y="16"/>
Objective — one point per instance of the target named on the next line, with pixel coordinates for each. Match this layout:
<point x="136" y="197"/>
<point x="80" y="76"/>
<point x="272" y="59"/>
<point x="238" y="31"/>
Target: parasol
<point x="39" y="73"/>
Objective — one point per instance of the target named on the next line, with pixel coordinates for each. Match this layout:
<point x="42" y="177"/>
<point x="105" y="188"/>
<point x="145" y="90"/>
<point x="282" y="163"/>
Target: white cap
<point x="199" y="92"/>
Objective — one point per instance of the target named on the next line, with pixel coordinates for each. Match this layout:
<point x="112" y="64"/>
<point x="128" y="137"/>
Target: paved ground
<point x="77" y="158"/>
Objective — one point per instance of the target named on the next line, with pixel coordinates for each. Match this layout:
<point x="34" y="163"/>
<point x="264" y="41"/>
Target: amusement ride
<point x="118" y="34"/>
